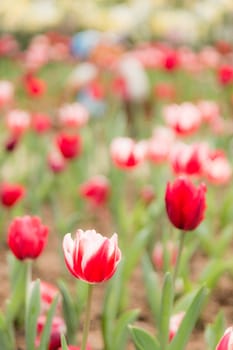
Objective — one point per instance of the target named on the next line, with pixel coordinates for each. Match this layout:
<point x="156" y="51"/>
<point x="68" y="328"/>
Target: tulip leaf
<point x="214" y="332"/>
<point x="69" y="312"/>
<point x="6" y="334"/>
<point x="121" y="329"/>
<point x="64" y="345"/>
<point x="45" y="336"/>
<point x="134" y="252"/>
<point x="17" y="298"/>
<point x="32" y="313"/>
<point x="165" y="310"/>
<point x="182" y="336"/>
<point x="152" y="287"/>
<point x="143" y="340"/>
<point x="212" y="272"/>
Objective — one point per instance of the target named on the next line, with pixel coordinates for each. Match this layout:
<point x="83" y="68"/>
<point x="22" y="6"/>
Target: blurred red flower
<point x="58" y="328"/>
<point x="40" y="123"/>
<point x="96" y="190"/>
<point x="69" y="145"/>
<point x="225" y="74"/>
<point x="27" y="237"/>
<point x="10" y="194"/>
<point x="34" y="86"/>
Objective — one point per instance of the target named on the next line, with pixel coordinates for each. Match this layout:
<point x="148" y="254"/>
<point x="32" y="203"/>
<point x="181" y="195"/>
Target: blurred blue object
<point x="84" y="42"/>
<point x="96" y="107"/>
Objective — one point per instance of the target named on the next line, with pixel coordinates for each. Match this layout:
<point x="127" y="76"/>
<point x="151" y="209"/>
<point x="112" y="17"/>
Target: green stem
<point x="180" y="248"/>
<point x="88" y="318"/>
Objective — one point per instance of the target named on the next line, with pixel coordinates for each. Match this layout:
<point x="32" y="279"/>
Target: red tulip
<point x="58" y="328"/>
<point x="95" y="190"/>
<point x="11" y="143"/>
<point x="69" y="145"/>
<point x="27" y="237"/>
<point x="90" y="256"/>
<point x="226" y="342"/>
<point x="225" y="74"/>
<point x="185" y="203"/>
<point x="34" y="86"/>
<point x="10" y="194"/>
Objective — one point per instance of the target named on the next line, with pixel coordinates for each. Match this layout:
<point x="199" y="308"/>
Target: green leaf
<point x="121" y="329"/>
<point x="32" y="313"/>
<point x="182" y="336"/>
<point x="212" y="272"/>
<point x="17" y="298"/>
<point x="152" y="287"/>
<point x="143" y="340"/>
<point x="64" y="345"/>
<point x="165" y="310"/>
<point x="44" y="341"/>
<point x="134" y="252"/>
<point x="6" y="334"/>
<point x="69" y="312"/>
<point x="215" y="331"/>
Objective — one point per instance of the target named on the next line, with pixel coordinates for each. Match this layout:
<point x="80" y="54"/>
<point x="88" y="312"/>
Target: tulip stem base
<point x="180" y="249"/>
<point x="87" y="319"/>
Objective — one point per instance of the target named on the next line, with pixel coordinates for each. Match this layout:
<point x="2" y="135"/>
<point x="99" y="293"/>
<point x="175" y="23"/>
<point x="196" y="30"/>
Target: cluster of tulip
<point x="134" y="141"/>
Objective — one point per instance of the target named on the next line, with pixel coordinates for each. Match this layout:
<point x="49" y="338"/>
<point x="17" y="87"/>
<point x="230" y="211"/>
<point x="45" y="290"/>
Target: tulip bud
<point x="185" y="203"/>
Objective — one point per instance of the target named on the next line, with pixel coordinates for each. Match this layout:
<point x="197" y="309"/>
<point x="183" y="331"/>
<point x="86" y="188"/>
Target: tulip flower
<point x="18" y="121"/>
<point x="90" y="256"/>
<point x="225" y="74"/>
<point x="226" y="342"/>
<point x="34" y="86"/>
<point x="184" y="119"/>
<point x="96" y="190"/>
<point x="174" y="324"/>
<point x="56" y="162"/>
<point x="48" y="293"/>
<point x="159" y="254"/>
<point x="127" y="154"/>
<point x="69" y="145"/>
<point x="73" y="115"/>
<point x="217" y="168"/>
<point x="11" y="194"/>
<point x="41" y="123"/>
<point x="27" y="237"/>
<point x="58" y="328"/>
<point x="185" y="203"/>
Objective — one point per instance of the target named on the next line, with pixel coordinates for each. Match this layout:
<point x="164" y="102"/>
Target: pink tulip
<point x="174" y="324"/>
<point x="58" y="328"/>
<point x="184" y="119"/>
<point x="90" y="256"/>
<point x="73" y="115"/>
<point x="226" y="342"/>
<point x="126" y="153"/>
<point x="18" y="121"/>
